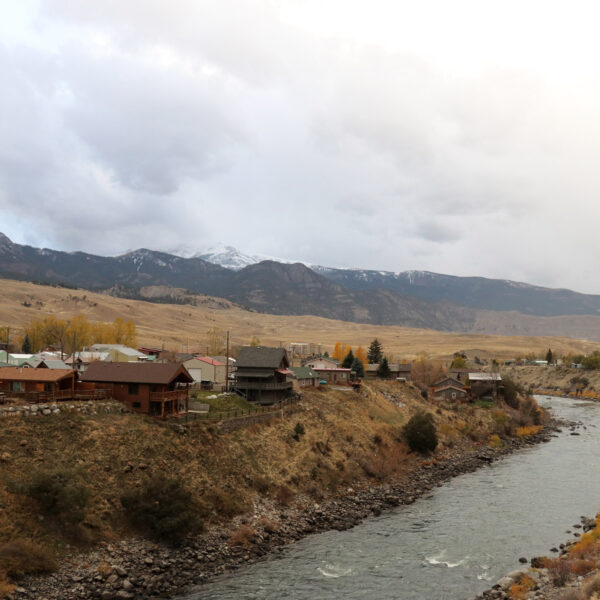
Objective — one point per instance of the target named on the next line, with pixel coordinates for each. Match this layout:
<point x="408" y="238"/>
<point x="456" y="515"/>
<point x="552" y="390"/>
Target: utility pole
<point x="227" y="365"/>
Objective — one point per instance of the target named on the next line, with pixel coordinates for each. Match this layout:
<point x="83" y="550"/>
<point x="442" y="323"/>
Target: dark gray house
<point x="261" y="374"/>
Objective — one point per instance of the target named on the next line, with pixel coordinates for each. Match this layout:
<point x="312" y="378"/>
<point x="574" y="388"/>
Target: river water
<point x="452" y="544"/>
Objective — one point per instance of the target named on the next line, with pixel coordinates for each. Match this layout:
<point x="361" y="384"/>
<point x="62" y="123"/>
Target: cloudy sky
<point x="460" y="137"/>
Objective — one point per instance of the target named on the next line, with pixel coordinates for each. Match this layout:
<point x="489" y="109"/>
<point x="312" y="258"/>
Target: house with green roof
<point x="304" y="377"/>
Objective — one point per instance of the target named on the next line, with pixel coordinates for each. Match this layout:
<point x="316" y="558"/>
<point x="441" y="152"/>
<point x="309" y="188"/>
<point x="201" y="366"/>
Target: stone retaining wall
<point x="45" y="410"/>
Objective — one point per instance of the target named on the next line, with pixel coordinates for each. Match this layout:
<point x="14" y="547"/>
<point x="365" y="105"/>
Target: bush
<point x="20" y="557"/>
<point x="298" y="431"/>
<point x="242" y="536"/>
<point x="420" y="433"/>
<point x="58" y="495"/>
<point x="284" y="495"/>
<point x="227" y="504"/>
<point x="511" y="391"/>
<point x="162" y="509"/>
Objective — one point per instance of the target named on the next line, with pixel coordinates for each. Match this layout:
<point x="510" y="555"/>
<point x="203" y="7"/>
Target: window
<point x="16" y="386"/>
<point x="137" y="405"/>
<point x="134" y="389"/>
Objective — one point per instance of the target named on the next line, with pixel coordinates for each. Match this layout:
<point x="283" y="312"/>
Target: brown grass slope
<point x="180" y="327"/>
<point x="349" y="439"/>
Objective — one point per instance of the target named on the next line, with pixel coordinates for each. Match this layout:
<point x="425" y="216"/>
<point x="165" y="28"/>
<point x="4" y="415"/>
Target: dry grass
<point x="528" y="430"/>
<point x="350" y="440"/>
<point x="185" y="326"/>
<point x="242" y="536"/>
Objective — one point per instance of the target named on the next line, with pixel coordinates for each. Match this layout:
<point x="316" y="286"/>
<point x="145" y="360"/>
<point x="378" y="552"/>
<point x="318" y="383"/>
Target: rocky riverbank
<point x="137" y="568"/>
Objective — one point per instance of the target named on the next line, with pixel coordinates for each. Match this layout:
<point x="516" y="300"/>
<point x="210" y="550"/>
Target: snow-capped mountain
<point x="231" y="258"/>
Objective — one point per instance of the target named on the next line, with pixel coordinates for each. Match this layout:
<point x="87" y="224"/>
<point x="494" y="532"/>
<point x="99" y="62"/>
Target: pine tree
<point x="348" y="360"/>
<point x="26" y="347"/>
<point x="358" y="367"/>
<point x="375" y="352"/>
<point x="383" y="370"/>
<point x="549" y="356"/>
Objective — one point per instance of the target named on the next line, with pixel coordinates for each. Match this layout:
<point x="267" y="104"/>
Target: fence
<point x="237" y="413"/>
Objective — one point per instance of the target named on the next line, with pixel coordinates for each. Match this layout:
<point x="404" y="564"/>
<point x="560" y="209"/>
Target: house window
<point x="137" y="405"/>
<point x="16" y="386"/>
<point x="453" y="395"/>
<point x="47" y="387"/>
<point x="134" y="389"/>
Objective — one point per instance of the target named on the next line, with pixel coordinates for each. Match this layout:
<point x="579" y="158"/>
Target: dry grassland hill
<point x="179" y="327"/>
<point x="347" y="439"/>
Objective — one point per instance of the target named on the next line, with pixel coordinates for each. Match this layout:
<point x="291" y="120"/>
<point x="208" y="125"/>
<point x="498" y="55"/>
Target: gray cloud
<point x="183" y="123"/>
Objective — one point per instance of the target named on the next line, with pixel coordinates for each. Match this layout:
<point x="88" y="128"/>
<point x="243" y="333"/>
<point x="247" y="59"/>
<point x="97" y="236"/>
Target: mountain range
<point x="411" y="298"/>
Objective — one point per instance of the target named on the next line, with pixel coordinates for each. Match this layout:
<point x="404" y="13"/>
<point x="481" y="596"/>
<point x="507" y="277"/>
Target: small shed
<point x="304" y="377"/>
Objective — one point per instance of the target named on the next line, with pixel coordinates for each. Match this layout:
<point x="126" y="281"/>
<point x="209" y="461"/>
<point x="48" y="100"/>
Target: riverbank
<point x="140" y="569"/>
<point x="574" y="575"/>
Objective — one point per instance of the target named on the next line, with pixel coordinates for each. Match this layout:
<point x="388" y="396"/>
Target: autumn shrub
<point x="226" y="503"/>
<point x="6" y="589"/>
<point x="21" y="557"/>
<point x="559" y="570"/>
<point x="284" y="495"/>
<point x="242" y="536"/>
<point x="268" y="525"/>
<point x="592" y="586"/>
<point x="519" y="590"/>
<point x="420" y="433"/>
<point x="261" y="484"/>
<point x="495" y="441"/>
<point x="528" y="431"/>
<point x="59" y="495"/>
<point x="163" y="509"/>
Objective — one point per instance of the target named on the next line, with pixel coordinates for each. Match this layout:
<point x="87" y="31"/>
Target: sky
<point x="457" y="137"/>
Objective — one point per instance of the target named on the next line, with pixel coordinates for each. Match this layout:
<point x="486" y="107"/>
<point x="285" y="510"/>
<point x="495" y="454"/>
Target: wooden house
<point x="485" y="384"/>
<point x="337" y="376"/>
<point x="322" y="363"/>
<point x="397" y="371"/>
<point x="37" y="385"/>
<point x="155" y="389"/>
<point x="262" y="374"/>
<point x="451" y="392"/>
<point x="304" y="377"/>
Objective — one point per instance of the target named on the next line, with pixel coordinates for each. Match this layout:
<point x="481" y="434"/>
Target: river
<point x="452" y="544"/>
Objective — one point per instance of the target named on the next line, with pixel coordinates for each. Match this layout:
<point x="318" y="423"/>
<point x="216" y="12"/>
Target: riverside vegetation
<point x="77" y="483"/>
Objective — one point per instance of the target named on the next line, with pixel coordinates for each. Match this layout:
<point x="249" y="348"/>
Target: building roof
<point x="320" y="369"/>
<point x="29" y="374"/>
<point x="260" y="357"/>
<point x="485" y="377"/>
<point x="223" y="359"/>
<point x="136" y="372"/>
<point x="210" y="361"/>
<point x="87" y="357"/>
<point x="119" y="348"/>
<point x="450" y="387"/>
<point x="304" y="373"/>
<point x="450" y="379"/>
<point x="38" y="363"/>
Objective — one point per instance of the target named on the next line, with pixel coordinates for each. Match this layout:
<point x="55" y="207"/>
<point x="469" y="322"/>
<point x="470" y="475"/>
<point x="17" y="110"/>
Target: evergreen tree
<point x="375" y="352"/>
<point x="326" y="355"/>
<point x="549" y="356"/>
<point x="26" y="347"/>
<point x="383" y="370"/>
<point x="358" y="368"/>
<point x="348" y="360"/>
